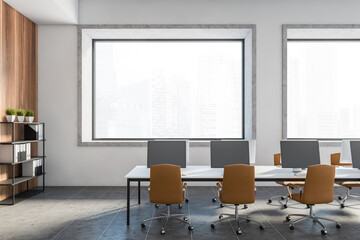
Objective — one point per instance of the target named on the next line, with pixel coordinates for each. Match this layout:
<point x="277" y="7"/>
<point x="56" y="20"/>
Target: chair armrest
<point x="184" y="190"/>
<point x="219" y="188"/>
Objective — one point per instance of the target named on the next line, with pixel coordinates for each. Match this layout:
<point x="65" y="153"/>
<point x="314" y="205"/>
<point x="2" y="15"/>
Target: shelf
<point x="22" y="142"/>
<point x="33" y="158"/>
<point x="18" y="180"/>
<point x="22" y="196"/>
<point x="29" y="123"/>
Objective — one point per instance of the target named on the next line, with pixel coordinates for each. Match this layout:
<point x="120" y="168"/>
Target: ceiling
<point x="48" y="11"/>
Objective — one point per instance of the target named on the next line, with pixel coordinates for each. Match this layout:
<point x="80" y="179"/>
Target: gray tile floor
<point x="100" y="213"/>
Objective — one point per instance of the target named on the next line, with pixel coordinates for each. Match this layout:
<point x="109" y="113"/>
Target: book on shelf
<point x="32" y="169"/>
<point x="20" y="152"/>
<point x="28" y="151"/>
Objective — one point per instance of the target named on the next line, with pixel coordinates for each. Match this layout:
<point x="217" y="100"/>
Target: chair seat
<point x="296" y="197"/>
<point x="349" y="184"/>
<point x="344" y="164"/>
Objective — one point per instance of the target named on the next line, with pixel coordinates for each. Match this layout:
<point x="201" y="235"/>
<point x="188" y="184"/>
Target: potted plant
<point x="10" y="114"/>
<point x="29" y="116"/>
<point x="20" y="114"/>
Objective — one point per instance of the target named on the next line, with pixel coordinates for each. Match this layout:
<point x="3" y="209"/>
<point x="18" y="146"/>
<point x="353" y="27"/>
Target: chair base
<point x="215" y="199"/>
<point x="167" y="216"/>
<point x="281" y="197"/>
<point x="237" y="218"/>
<point x="313" y="217"/>
<point x="347" y="195"/>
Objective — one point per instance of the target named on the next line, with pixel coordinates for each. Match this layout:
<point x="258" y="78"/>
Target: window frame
<point x="285" y="40"/>
<point x="85" y="34"/>
<point x="148" y="139"/>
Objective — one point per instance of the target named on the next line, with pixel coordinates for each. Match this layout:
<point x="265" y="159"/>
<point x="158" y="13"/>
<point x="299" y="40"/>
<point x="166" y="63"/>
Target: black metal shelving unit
<point x="13" y="181"/>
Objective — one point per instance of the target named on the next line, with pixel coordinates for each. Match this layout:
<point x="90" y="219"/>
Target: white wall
<point x="71" y="165"/>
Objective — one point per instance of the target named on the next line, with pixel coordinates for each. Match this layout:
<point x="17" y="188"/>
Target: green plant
<point x="20" y="112"/>
<point x="29" y="113"/>
<point x="10" y="111"/>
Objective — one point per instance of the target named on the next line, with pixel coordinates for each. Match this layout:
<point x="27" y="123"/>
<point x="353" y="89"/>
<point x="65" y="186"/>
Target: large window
<point x="168" y="89"/>
<point x="323" y="82"/>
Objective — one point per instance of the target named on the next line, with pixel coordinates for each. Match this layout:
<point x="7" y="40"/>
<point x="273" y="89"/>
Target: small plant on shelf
<point x="20" y="114"/>
<point x="10" y="114"/>
<point x="29" y="116"/>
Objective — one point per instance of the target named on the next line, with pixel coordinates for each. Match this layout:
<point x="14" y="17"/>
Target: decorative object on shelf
<point x="29" y="116"/>
<point x="33" y="132"/>
<point x="10" y="114"/>
<point x="20" y="114"/>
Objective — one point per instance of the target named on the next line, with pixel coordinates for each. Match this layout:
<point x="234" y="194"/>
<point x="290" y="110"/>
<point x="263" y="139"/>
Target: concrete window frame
<point x="311" y="31"/>
<point x="214" y="31"/>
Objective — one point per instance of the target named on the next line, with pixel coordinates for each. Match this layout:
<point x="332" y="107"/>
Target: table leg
<point x="128" y="203"/>
<point x="139" y="186"/>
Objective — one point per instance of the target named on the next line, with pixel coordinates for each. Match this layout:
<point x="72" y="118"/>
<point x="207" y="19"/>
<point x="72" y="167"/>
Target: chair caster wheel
<point x="162" y="232"/>
<point x="186" y="200"/>
<point x="220" y="216"/>
<point x="338" y="225"/>
<point x="180" y="206"/>
<point x="323" y="232"/>
<point x="245" y="206"/>
<point x="221" y="205"/>
<point x="238" y="232"/>
<point x="185" y="218"/>
<point x="157" y="205"/>
<point x="282" y="198"/>
<point x="342" y="205"/>
<point x="291" y="227"/>
<point x="214" y="199"/>
<point x="212" y="226"/>
<point x="285" y="206"/>
<point x="143" y="225"/>
<point x="262" y="227"/>
<point x="288" y="218"/>
<point x="339" y="197"/>
<point x="269" y="201"/>
<point x="190" y="228"/>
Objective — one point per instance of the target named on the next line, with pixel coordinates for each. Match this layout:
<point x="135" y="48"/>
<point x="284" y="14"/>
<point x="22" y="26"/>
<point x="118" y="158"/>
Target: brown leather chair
<point x="335" y="160"/>
<point x="318" y="189"/>
<point x="238" y="187"/>
<point x="167" y="188"/>
<point x="277" y="162"/>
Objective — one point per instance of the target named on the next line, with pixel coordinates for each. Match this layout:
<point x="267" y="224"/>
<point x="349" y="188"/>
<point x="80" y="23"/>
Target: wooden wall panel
<point x="18" y="78"/>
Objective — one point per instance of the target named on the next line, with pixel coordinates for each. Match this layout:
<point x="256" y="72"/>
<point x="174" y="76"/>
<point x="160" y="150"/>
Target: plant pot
<point x="30" y="119"/>
<point x="20" y="118"/>
<point x="10" y="118"/>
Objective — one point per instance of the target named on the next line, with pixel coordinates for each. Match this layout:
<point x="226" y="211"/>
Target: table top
<point x="262" y="173"/>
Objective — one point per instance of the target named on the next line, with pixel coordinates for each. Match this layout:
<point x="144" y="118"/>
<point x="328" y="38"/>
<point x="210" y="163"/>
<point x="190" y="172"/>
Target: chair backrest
<point x="238" y="185"/>
<point x="165" y="184"/>
<point x="335" y="159"/>
<point x="319" y="184"/>
<point x="277" y="159"/>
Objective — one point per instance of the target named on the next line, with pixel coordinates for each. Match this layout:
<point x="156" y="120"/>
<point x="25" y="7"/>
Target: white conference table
<point x="207" y="174"/>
